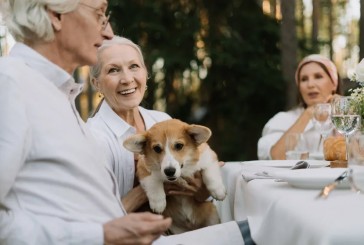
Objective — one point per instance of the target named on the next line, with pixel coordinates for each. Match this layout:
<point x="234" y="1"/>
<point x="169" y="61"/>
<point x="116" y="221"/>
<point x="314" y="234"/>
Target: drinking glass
<point x="356" y="161"/>
<point x="296" y="147"/>
<point x="321" y="115"/>
<point x="346" y="120"/>
<point x="345" y="117"/>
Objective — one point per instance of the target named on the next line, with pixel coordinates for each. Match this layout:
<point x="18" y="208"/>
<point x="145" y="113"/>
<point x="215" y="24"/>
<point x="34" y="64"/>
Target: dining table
<point x="283" y="207"/>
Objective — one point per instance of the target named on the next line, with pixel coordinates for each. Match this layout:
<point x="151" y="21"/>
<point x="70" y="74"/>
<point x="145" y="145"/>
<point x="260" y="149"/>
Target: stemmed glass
<point x="346" y="120"/>
<point x="345" y="117"/>
<point x="321" y="115"/>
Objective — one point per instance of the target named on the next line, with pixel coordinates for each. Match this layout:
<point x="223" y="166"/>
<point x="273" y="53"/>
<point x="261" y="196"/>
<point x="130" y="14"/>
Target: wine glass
<point x="322" y="112"/>
<point x="321" y="115"/>
<point x="346" y="120"/>
<point x="345" y="117"/>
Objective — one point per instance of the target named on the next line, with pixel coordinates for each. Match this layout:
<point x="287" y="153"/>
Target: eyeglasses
<point x="102" y="19"/>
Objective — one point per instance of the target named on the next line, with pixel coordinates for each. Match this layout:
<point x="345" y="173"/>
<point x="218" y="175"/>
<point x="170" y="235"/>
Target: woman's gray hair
<point x="28" y="20"/>
<point x="116" y="40"/>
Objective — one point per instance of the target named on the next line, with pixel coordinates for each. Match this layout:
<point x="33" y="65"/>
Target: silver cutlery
<point x="300" y="165"/>
<point x="324" y="193"/>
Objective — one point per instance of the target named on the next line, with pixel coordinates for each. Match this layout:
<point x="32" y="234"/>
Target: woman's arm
<point x="134" y="199"/>
<point x="278" y="149"/>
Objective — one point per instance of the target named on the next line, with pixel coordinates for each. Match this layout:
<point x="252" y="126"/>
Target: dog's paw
<point x="158" y="205"/>
<point x="219" y="193"/>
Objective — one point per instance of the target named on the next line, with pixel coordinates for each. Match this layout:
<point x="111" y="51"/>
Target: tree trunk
<point x="361" y="30"/>
<point x="331" y="28"/>
<point x="289" y="50"/>
<point x="315" y="25"/>
<point x="301" y="32"/>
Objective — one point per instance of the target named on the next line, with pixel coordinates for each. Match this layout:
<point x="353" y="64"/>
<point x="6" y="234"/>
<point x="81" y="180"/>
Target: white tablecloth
<point x="281" y="214"/>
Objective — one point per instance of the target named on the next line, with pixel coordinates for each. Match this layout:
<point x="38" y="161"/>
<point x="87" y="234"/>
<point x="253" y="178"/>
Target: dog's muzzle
<point x="169" y="172"/>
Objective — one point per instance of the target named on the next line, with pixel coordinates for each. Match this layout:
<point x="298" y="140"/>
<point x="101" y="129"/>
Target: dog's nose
<point x="169" y="172"/>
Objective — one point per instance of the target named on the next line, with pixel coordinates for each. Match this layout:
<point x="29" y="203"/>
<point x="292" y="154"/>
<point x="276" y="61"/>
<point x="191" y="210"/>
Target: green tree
<point x="215" y="63"/>
<point x="245" y="85"/>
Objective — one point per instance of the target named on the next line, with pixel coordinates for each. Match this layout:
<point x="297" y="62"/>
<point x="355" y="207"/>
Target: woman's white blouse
<point x="111" y="131"/>
<point x="277" y="126"/>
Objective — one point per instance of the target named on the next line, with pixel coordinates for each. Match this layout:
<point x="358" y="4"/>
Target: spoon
<point x="300" y="165"/>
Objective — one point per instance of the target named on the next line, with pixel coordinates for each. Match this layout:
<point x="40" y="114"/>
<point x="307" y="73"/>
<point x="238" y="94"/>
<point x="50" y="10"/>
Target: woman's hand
<point x="194" y="187"/>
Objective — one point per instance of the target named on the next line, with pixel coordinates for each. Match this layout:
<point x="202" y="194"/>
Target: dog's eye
<point x="178" y="146"/>
<point x="157" y="149"/>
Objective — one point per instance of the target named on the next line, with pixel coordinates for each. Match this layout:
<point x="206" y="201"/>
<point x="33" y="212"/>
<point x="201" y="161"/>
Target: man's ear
<point x="95" y="83"/>
<point x="55" y="20"/>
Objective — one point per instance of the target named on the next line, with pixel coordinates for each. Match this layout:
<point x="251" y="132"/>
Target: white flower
<point x="359" y="72"/>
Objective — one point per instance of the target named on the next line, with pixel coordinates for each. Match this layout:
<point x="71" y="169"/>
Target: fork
<point x="324" y="193"/>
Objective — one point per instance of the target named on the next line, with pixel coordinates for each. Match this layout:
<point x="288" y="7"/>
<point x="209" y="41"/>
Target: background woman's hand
<point x="332" y="97"/>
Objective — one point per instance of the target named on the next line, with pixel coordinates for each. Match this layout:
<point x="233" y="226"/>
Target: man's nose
<point x="108" y="33"/>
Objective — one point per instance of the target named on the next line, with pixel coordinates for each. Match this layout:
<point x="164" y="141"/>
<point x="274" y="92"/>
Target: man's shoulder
<point x="14" y="68"/>
<point x="10" y="61"/>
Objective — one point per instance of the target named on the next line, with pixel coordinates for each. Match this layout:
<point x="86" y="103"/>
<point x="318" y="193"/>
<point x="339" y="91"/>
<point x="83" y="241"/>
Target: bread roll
<point x="335" y="148"/>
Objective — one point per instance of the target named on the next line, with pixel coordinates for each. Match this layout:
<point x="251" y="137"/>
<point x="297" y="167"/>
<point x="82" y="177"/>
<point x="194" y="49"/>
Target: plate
<point x="314" y="178"/>
<point x="286" y="163"/>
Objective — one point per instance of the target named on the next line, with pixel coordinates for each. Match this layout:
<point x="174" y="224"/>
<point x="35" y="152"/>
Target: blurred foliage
<point x="215" y="63"/>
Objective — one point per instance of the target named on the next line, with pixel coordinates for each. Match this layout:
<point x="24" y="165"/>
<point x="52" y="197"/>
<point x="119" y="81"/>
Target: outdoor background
<point x="229" y="64"/>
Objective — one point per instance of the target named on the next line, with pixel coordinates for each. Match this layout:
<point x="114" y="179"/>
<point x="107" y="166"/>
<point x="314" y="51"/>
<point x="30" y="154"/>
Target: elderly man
<point x="55" y="187"/>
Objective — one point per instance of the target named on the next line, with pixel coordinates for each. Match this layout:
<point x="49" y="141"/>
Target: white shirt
<point x="54" y="183"/>
<point x="55" y="187"/>
<point x="112" y="130"/>
<point x="277" y="126"/>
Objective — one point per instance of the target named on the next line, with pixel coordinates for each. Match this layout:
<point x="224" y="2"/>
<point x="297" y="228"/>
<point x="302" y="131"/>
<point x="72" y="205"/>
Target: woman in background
<point x="317" y="81"/>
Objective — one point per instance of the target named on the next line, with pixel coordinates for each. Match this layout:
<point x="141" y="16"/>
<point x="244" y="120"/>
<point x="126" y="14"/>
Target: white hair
<point x="29" y="20"/>
<point x="116" y="40"/>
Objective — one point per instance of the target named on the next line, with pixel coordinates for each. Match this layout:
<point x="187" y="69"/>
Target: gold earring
<point x="101" y="95"/>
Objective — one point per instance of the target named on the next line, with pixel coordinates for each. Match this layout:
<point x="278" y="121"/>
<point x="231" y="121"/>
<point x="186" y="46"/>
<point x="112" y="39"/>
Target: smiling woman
<point x="120" y="76"/>
<point x="317" y="81"/>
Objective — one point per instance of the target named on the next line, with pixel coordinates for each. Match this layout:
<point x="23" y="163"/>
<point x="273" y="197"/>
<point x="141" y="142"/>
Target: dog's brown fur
<point x="169" y="151"/>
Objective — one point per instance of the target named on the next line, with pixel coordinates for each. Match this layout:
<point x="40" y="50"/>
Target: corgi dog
<point x="169" y="151"/>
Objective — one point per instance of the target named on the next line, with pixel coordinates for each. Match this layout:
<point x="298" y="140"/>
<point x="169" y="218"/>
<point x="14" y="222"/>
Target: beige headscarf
<point x="324" y="61"/>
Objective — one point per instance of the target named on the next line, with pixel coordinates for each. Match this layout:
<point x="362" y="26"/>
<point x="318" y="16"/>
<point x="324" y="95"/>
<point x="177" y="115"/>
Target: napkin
<point x="251" y="174"/>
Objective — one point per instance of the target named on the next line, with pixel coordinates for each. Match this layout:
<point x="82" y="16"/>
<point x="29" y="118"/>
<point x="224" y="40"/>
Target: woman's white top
<point x="111" y="130"/>
<point x="277" y="126"/>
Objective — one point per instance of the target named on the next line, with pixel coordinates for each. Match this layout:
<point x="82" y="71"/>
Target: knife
<point x="328" y="188"/>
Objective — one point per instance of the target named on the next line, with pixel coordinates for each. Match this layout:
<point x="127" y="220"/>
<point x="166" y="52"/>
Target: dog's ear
<point x="135" y="143"/>
<point x="199" y="133"/>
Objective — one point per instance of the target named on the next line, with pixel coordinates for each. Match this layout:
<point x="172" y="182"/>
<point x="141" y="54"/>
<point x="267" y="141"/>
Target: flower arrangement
<point x="358" y="93"/>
